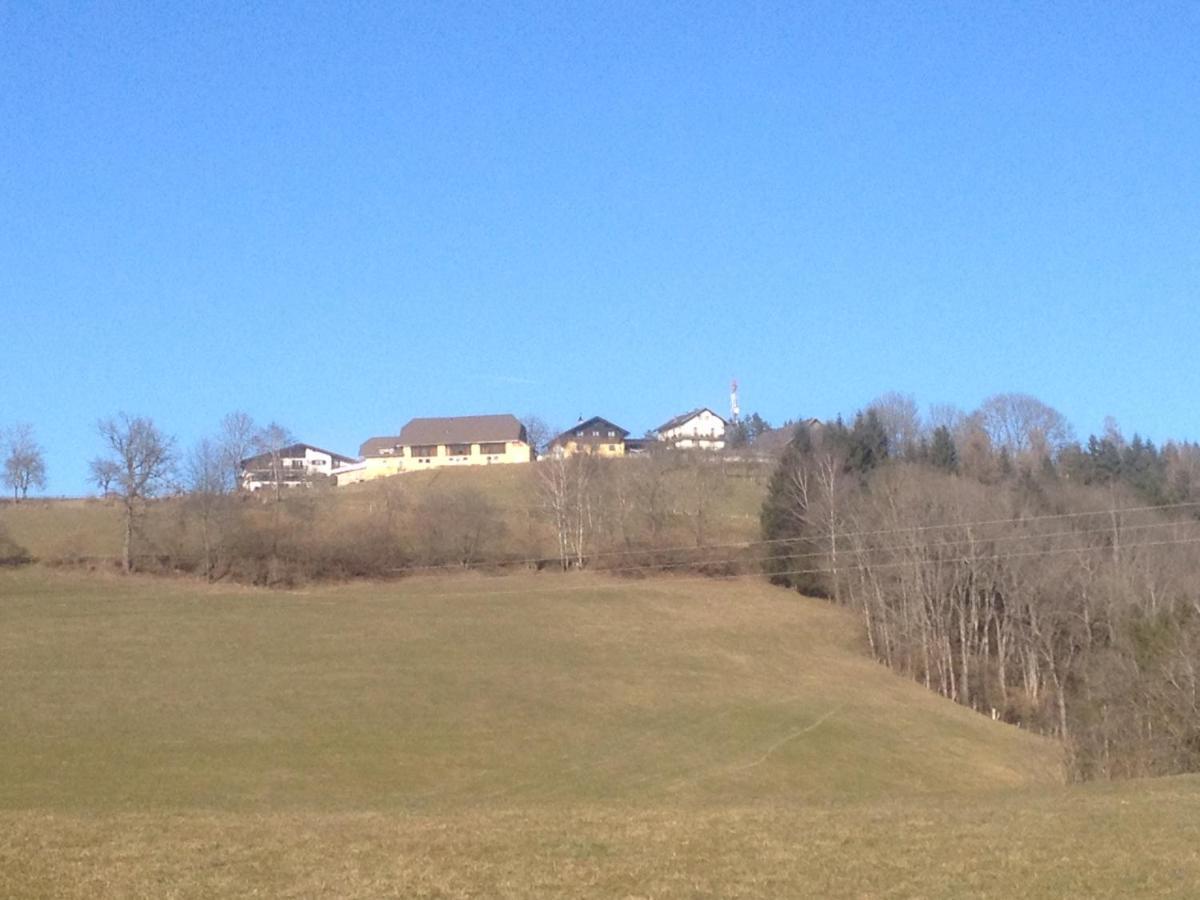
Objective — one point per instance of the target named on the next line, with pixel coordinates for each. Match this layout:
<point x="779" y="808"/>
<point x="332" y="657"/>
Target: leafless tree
<point x="458" y="527"/>
<point x="1021" y="424"/>
<point x="270" y="441"/>
<point x="24" y="463"/>
<point x="901" y="420"/>
<point x="236" y="441"/>
<point x="537" y="432"/>
<point x="141" y="461"/>
<point x="102" y="473"/>
<point x="567" y="489"/>
<point x="208" y="484"/>
<point x="944" y="415"/>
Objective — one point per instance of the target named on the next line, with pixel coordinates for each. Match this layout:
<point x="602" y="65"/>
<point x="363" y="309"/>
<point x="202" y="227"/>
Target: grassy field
<point x="522" y="736"/>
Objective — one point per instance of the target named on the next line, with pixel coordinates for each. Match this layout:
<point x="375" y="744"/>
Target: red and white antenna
<point x="733" y="404"/>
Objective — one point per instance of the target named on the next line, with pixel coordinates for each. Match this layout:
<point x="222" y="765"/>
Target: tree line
<point x="1002" y="563"/>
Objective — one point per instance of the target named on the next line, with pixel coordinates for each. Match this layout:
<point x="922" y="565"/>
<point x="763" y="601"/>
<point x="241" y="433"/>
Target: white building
<point x="700" y="429"/>
<point x="290" y="466"/>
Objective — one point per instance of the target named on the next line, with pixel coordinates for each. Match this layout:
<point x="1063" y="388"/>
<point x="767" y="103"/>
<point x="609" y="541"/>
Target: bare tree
<point x="458" y="526"/>
<point x="567" y="491"/>
<point x="1021" y="424"/>
<point x="537" y="433"/>
<point x="141" y="462"/>
<point x="235" y="443"/>
<point x="270" y="441"/>
<point x="208" y="484"/>
<point x="901" y="421"/>
<point x="103" y="472"/>
<point x="24" y="464"/>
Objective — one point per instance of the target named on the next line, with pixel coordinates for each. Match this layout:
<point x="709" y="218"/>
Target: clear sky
<point x="343" y="215"/>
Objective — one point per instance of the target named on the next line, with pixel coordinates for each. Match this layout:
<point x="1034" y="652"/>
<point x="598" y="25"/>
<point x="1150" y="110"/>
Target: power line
<point x="851" y="567"/>
<point x="745" y="545"/>
<point x="893" y="547"/>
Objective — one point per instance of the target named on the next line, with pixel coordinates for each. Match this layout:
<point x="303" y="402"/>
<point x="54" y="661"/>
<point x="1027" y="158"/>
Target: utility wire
<point x="841" y="569"/>
<point x="764" y="542"/>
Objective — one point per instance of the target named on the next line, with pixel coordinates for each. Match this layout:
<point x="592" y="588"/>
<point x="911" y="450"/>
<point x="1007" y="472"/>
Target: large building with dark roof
<point x="596" y="436"/>
<point x="700" y="429"/>
<point x="430" y="443"/>
<point x="291" y="466"/>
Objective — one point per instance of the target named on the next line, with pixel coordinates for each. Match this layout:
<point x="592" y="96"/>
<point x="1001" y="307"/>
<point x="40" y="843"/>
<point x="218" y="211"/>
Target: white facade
<point x="297" y="465"/>
<point x="700" y="430"/>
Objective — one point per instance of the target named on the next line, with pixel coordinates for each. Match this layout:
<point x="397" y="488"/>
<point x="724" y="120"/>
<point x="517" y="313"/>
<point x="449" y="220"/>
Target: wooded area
<point x="1000" y="563"/>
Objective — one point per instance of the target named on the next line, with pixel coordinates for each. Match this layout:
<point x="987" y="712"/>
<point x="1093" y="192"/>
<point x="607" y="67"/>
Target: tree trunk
<point x="127" y="549"/>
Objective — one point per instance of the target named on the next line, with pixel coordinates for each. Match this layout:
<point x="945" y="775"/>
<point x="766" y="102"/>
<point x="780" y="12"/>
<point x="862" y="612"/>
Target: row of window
<point x="430" y="450"/>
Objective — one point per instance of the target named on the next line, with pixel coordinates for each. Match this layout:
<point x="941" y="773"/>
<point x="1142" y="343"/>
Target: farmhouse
<point x="431" y="443"/>
<point x="291" y="466"/>
<point x="596" y="436"/>
<point x="700" y="429"/>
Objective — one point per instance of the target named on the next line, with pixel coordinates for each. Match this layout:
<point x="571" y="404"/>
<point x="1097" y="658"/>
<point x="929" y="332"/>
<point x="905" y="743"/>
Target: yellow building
<point x="437" y="442"/>
<point x="596" y="436"/>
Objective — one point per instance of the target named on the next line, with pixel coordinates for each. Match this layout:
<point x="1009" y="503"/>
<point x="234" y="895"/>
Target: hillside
<point x="54" y="530"/>
<point x="472" y="702"/>
<point x="538" y="735"/>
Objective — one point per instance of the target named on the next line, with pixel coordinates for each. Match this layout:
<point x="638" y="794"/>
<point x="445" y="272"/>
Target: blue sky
<point x="340" y="216"/>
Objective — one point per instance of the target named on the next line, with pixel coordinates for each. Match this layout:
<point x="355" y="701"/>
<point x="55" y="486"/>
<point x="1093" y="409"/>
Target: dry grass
<point x="1110" y="841"/>
<point x="520" y="736"/>
<point x="53" y="530"/>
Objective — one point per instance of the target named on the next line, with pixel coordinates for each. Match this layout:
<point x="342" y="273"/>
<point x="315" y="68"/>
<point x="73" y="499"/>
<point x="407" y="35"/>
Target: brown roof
<point x="448" y="430"/>
<point x="462" y="430"/>
<point x="372" y="446"/>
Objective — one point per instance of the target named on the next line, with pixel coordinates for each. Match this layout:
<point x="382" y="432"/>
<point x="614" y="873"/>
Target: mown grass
<point x="521" y="736"/>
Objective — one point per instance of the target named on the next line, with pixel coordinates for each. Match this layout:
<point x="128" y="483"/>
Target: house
<point x="596" y="436"/>
<point x="291" y="466"/>
<point x="432" y="443"/>
<point x="700" y="429"/>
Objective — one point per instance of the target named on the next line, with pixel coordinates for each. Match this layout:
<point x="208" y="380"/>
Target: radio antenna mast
<point x="734" y="411"/>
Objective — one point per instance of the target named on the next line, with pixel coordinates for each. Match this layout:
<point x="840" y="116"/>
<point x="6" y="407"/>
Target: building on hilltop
<point x="596" y="436"/>
<point x="431" y="443"/>
<point x="700" y="429"/>
<point x="292" y="466"/>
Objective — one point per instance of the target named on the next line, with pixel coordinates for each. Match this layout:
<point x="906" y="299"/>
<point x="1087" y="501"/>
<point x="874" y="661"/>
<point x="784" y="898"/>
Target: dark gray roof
<point x="594" y="423"/>
<point x="679" y="420"/>
<point x="291" y="451"/>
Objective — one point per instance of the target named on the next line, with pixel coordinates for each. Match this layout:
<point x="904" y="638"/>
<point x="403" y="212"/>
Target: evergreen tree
<point x="942" y="452"/>
<point x="868" y="443"/>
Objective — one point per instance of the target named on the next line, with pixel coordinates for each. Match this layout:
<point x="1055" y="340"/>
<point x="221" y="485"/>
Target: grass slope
<point x="519" y="736"/>
<point x="54" y="530"/>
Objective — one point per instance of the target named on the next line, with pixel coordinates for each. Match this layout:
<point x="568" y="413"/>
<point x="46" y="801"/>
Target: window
<point x="425" y="450"/>
<point x="496" y="449"/>
<point x="297" y="463"/>
<point x="458" y="449"/>
<point x="596" y="433"/>
<point x="612" y="434"/>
